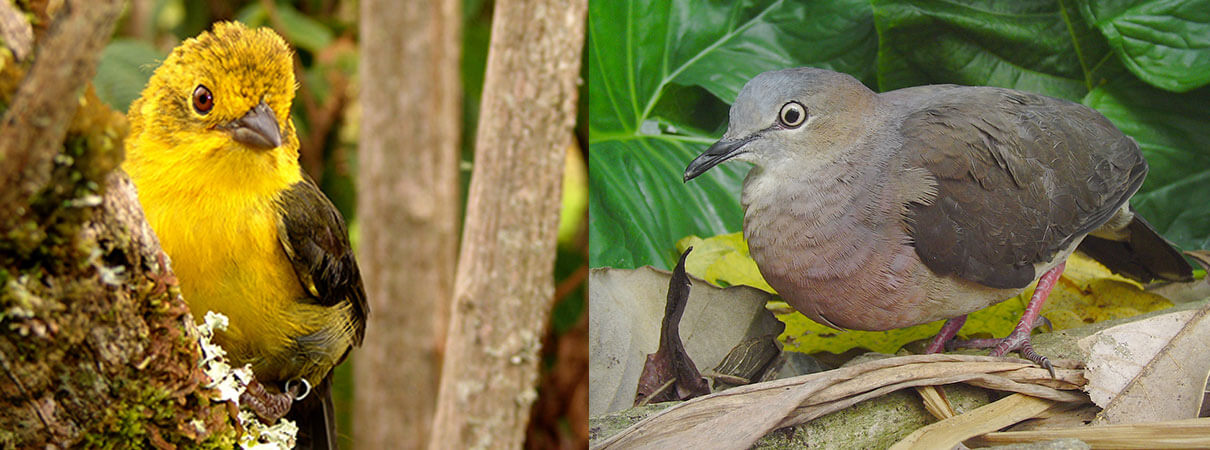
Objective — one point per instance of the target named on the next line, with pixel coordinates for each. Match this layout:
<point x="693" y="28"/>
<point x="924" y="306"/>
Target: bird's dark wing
<point x="1019" y="177"/>
<point x="315" y="239"/>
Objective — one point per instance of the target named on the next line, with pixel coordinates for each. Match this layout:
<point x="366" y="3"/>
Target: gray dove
<point x="878" y="211"/>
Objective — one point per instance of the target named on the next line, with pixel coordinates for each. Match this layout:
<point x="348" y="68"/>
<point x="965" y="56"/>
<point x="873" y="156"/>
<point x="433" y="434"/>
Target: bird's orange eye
<point x="203" y="100"/>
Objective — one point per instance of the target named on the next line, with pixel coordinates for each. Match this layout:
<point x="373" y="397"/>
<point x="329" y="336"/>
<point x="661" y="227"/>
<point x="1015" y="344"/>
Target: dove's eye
<point x="793" y="114"/>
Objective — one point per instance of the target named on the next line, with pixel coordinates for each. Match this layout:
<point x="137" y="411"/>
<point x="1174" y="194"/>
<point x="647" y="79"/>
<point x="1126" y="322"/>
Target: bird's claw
<point x="267" y="406"/>
<point x="1028" y="352"/>
<point x="1043" y="322"/>
<point x="1018" y="341"/>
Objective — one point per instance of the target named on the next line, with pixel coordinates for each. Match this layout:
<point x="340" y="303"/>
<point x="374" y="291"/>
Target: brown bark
<point x="504" y="283"/>
<point x="15" y="32"/>
<point x="138" y="20"/>
<point x="408" y="213"/>
<point x="95" y="343"/>
<point x="37" y="118"/>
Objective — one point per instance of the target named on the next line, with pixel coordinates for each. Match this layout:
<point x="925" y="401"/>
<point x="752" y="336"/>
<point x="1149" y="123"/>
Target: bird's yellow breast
<point x="215" y="214"/>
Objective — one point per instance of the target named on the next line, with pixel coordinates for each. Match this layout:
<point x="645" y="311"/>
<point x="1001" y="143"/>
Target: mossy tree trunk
<point x="407" y="212"/>
<point x="95" y="342"/>
<point x="504" y="285"/>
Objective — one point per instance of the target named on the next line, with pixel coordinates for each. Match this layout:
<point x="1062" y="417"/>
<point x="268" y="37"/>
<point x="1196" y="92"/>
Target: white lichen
<point x="258" y="436"/>
<point x="86" y="201"/>
<point x="227" y="381"/>
<point x="230" y="383"/>
<point x="113" y="276"/>
<point x="198" y="426"/>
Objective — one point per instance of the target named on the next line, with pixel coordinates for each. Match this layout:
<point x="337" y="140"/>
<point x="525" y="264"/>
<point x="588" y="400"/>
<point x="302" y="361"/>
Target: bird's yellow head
<point x="220" y="103"/>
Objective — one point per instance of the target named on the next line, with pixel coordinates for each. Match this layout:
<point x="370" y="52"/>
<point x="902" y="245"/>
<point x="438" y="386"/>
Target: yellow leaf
<point x="575" y="194"/>
<point x="1087" y="293"/>
<point x="723" y="260"/>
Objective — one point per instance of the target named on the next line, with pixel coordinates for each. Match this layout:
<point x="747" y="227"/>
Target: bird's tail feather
<point x="1142" y="255"/>
<point x="316" y="418"/>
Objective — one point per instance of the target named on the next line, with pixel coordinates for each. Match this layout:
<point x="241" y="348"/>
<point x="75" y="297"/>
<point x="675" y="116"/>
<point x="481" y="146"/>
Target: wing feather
<point x="314" y="237"/>
<point x="1017" y="182"/>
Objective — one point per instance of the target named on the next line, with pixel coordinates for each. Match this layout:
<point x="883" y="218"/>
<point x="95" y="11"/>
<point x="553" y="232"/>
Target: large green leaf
<point x="1164" y="42"/>
<point x="1031" y="45"/>
<point x="659" y="72"/>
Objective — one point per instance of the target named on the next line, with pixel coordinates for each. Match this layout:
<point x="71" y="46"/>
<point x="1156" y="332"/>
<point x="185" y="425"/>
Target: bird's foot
<point x="955" y="344"/>
<point x="269" y="406"/>
<point x="1017" y="341"/>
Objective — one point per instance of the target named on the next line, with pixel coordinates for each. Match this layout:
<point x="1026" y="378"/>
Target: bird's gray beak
<point x="257" y="129"/>
<point x="715" y="155"/>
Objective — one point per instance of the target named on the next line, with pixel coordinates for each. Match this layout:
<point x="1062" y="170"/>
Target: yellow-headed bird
<point x="214" y="155"/>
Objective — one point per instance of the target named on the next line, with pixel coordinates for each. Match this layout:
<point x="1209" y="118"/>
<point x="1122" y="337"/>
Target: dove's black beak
<point x="715" y="155"/>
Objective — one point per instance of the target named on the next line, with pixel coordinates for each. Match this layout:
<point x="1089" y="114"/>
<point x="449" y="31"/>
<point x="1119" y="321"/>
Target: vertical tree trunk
<point x="408" y="208"/>
<point x="504" y="283"/>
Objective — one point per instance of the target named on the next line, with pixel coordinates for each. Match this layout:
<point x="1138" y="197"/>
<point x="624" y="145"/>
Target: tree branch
<point x="37" y="119"/>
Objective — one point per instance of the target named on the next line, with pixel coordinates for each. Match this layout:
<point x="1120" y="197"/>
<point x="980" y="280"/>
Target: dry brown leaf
<point x="1188" y="433"/>
<point x="736" y="418"/>
<point x="991" y="417"/>
<point x="935" y="402"/>
<point x="624" y="326"/>
<point x="1151" y="370"/>
<point x="671" y="363"/>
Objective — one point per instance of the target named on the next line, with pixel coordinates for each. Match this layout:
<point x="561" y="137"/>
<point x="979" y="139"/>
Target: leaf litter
<point x="1144" y="401"/>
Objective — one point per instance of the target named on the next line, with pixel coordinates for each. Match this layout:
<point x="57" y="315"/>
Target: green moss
<point x="8" y="439"/>
<point x="145" y="407"/>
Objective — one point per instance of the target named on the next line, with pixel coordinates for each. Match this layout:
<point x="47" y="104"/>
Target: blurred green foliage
<point x="125" y="66"/>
